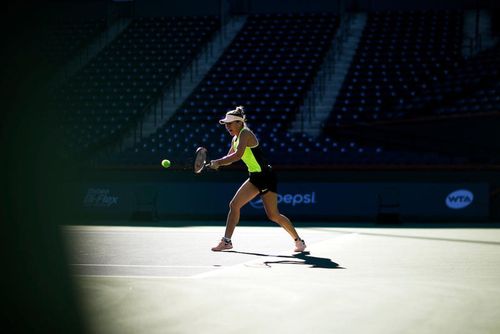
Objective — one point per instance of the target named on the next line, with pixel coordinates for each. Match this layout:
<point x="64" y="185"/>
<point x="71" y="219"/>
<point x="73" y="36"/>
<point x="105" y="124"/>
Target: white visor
<point x="231" y="118"/>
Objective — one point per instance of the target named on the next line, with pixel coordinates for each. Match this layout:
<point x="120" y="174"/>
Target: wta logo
<point x="289" y="199"/>
<point x="459" y="199"/>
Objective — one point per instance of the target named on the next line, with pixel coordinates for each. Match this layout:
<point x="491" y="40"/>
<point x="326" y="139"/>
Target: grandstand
<point x="403" y="98"/>
<point x="111" y="92"/>
<point x="66" y="39"/>
<point x="408" y="65"/>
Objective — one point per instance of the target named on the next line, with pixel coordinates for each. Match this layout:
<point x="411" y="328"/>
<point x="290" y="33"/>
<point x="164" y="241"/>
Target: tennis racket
<point x="200" y="160"/>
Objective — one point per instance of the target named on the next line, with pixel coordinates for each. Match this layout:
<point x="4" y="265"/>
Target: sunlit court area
<point x="351" y="280"/>
<point x="251" y="167"/>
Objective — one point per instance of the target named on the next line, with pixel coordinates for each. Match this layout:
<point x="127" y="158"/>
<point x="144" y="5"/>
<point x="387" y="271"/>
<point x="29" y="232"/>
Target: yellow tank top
<point x="251" y="157"/>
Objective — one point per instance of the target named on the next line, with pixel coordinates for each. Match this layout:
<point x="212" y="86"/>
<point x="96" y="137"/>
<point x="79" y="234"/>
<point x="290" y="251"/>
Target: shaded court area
<point x="351" y="280"/>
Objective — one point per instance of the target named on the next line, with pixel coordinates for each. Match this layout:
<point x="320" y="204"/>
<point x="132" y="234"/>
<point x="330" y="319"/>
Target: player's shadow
<point x="303" y="258"/>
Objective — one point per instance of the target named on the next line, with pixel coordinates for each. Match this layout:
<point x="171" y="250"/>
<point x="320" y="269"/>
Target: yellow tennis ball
<point x="165" y="163"/>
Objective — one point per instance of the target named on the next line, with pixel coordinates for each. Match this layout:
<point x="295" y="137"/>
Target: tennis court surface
<point x="351" y="280"/>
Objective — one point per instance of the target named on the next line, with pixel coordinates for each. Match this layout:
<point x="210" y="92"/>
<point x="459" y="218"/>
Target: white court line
<point x="130" y="276"/>
<point x="135" y="265"/>
<point x="180" y="229"/>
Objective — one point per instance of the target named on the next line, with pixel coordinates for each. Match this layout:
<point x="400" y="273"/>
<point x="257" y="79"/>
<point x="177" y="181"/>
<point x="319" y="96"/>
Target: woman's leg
<point x="270" y="200"/>
<point x="244" y="195"/>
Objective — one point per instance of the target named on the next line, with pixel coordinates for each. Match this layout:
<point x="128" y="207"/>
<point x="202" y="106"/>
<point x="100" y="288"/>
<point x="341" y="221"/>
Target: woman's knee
<point x="234" y="205"/>
<point x="274" y="217"/>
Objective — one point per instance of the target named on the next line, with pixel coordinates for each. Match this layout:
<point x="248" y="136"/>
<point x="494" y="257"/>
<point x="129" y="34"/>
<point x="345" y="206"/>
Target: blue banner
<point x="309" y="201"/>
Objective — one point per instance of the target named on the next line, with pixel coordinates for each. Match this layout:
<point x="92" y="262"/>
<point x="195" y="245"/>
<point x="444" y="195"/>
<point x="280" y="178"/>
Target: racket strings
<point x="200" y="160"/>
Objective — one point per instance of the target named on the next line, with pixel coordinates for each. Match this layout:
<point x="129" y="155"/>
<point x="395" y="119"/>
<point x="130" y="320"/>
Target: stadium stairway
<point x="90" y="51"/>
<point x="321" y="98"/>
<point x="166" y="106"/>
<point x="480" y="23"/>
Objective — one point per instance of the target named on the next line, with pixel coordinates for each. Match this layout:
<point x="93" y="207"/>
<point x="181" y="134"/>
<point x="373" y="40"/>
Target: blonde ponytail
<point x="239" y="111"/>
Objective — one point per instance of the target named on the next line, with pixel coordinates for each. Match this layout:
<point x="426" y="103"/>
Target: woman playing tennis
<point x="262" y="179"/>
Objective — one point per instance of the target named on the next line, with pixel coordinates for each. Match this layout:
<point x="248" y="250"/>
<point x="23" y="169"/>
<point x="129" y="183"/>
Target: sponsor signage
<point x="99" y="197"/>
<point x="459" y="199"/>
<point x="301" y="200"/>
<point x="288" y="199"/>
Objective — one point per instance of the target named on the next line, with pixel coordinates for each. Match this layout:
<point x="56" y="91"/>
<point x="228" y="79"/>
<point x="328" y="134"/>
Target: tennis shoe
<point x="300" y="245"/>
<point x="223" y="245"/>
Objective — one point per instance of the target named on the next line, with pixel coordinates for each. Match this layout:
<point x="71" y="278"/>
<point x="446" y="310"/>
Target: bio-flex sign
<point x="99" y="198"/>
<point x="297" y="199"/>
<point x="459" y="199"/>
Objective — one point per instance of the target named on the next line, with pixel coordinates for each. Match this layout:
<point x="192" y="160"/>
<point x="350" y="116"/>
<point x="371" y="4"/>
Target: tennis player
<point x="262" y="180"/>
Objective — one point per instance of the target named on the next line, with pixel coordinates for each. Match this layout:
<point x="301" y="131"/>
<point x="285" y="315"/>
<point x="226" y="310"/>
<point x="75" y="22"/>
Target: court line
<point x="150" y="229"/>
<point x="136" y="265"/>
<point x="495" y="243"/>
<point x="129" y="276"/>
<point x="213" y="267"/>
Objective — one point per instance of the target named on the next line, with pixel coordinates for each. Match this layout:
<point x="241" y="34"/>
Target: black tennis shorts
<point x="265" y="181"/>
